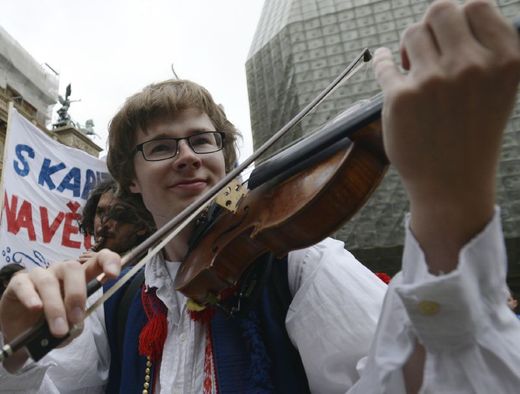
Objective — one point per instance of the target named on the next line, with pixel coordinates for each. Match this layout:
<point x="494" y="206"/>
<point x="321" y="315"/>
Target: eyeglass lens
<point x="166" y="148"/>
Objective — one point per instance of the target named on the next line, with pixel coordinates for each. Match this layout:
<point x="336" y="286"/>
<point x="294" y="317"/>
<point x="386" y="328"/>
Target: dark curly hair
<point x="86" y="225"/>
<point x="128" y="208"/>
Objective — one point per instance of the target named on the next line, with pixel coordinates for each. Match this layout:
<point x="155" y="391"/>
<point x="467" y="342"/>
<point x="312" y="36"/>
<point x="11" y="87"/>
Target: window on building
<point x="27" y="109"/>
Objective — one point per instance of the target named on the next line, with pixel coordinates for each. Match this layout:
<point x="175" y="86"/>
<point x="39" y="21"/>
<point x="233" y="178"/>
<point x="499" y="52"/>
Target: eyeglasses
<point x="166" y="148"/>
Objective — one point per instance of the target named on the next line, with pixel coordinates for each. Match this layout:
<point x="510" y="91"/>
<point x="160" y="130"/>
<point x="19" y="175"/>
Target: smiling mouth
<point x="195" y="183"/>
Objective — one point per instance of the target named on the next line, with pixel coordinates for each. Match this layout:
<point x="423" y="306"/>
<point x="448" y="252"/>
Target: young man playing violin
<point x="444" y="326"/>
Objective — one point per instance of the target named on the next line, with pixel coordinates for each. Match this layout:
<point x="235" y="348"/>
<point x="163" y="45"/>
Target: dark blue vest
<point x="253" y="353"/>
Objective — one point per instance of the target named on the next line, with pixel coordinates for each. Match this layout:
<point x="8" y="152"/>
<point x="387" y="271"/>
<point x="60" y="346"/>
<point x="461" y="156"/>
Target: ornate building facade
<point x="34" y="91"/>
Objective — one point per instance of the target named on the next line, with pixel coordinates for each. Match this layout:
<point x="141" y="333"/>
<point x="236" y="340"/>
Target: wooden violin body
<point x="289" y="210"/>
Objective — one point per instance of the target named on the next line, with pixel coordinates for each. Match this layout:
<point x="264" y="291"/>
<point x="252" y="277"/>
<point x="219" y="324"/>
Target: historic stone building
<point x="34" y="91"/>
<point x="302" y="45"/>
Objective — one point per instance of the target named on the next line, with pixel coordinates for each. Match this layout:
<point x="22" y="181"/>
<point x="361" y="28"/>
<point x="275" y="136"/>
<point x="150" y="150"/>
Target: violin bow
<point x="39" y="341"/>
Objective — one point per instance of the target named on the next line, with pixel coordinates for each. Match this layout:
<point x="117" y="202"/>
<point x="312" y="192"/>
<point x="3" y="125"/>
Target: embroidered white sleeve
<point x="472" y="339"/>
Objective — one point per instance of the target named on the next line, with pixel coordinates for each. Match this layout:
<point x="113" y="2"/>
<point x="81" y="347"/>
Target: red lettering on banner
<point x="70" y="226"/>
<point x="20" y="216"/>
<point x="49" y="231"/>
<point x="22" y="219"/>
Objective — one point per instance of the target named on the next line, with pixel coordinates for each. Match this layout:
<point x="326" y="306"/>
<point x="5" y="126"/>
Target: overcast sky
<point x="110" y="49"/>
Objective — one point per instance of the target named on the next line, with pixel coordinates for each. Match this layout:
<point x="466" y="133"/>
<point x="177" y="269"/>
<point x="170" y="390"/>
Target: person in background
<point x="117" y="221"/>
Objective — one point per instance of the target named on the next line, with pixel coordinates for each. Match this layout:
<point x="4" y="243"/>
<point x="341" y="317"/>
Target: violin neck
<point x="326" y="141"/>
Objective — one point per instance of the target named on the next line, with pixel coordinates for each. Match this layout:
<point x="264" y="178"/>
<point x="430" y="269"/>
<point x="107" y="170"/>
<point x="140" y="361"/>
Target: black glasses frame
<point x="139" y="147"/>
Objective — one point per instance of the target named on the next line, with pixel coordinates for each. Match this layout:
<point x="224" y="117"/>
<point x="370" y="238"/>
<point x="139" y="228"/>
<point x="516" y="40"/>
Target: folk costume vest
<point x="252" y="352"/>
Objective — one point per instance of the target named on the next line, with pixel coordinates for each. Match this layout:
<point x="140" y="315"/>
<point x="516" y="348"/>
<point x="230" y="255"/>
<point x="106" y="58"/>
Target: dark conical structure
<point x="302" y="45"/>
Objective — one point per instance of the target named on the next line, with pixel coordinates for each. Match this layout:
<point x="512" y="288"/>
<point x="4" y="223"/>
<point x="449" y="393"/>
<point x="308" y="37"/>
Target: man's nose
<point x="108" y="223"/>
<point x="186" y="156"/>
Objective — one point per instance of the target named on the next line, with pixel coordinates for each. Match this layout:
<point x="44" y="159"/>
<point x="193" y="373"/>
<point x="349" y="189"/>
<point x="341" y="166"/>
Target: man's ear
<point x="134" y="187"/>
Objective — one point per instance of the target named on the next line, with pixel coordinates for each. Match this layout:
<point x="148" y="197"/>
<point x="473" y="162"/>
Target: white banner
<point x="45" y="185"/>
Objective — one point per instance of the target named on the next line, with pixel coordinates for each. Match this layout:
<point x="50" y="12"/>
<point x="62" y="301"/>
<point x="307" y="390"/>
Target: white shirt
<point x="472" y="339"/>
<point x="323" y="279"/>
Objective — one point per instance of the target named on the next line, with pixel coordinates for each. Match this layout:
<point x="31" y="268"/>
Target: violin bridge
<point x="230" y="196"/>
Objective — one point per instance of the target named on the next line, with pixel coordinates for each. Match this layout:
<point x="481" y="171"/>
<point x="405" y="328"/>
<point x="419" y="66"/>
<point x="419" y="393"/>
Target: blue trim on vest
<point x="287" y="372"/>
<point x="248" y="348"/>
<point x="231" y="357"/>
<point x="128" y="377"/>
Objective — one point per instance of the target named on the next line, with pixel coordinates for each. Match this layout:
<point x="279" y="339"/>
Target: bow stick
<point x="39" y="341"/>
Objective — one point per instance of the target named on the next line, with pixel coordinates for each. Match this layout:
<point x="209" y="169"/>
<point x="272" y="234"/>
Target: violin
<point x="311" y="168"/>
<point x="294" y="200"/>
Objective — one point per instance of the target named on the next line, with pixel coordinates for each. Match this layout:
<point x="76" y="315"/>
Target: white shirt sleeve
<point x="333" y="314"/>
<point x="80" y="367"/>
<point x="472" y="339"/>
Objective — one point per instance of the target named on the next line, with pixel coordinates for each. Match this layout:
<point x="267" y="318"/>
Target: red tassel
<point x="153" y="334"/>
<point x="203" y="316"/>
<point x="152" y="338"/>
<point x="206" y="314"/>
<point x="228" y="293"/>
<point x="384" y="277"/>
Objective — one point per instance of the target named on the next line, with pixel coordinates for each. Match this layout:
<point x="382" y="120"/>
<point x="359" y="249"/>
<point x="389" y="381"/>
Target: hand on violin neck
<point x="443" y="120"/>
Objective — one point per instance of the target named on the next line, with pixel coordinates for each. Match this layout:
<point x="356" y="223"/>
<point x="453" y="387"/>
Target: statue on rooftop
<point x="64" y="117"/>
<point x="88" y="128"/>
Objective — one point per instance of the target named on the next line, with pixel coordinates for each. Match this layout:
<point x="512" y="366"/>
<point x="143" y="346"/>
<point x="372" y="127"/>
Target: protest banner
<point x="45" y="185"/>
